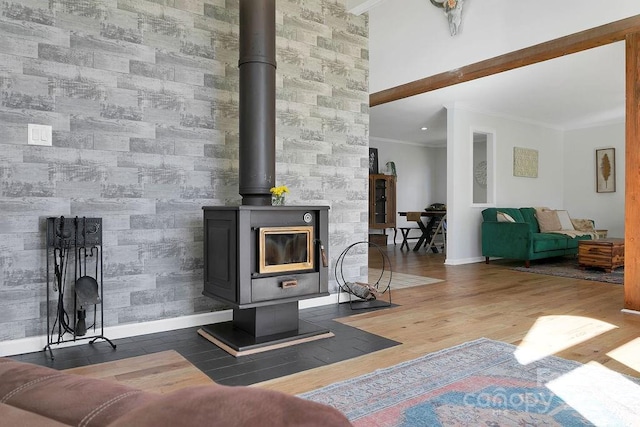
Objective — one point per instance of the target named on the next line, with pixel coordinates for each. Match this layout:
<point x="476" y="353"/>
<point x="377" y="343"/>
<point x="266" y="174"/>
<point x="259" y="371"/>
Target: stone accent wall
<point x="143" y="100"/>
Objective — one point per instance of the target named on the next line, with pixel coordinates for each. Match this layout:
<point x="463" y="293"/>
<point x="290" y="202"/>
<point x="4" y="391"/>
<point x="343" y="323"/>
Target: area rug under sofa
<point x="568" y="267"/>
<point x="482" y="383"/>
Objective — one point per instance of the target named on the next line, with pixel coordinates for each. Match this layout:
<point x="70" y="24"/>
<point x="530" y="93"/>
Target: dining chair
<point x="411" y="217"/>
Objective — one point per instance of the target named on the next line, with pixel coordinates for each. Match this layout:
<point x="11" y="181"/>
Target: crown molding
<point x="358" y="7"/>
<point x="438" y="144"/>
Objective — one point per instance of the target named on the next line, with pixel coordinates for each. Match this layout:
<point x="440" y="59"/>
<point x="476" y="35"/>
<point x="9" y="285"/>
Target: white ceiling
<point x="581" y="90"/>
<point x="575" y="91"/>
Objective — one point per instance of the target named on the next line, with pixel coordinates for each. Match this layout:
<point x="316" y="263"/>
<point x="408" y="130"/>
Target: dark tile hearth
<point x="223" y="368"/>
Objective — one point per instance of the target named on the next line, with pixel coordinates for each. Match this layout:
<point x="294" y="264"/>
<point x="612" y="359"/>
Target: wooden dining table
<point x="428" y="228"/>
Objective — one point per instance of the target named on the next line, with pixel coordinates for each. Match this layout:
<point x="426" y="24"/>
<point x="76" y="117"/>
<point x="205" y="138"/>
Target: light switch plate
<point x="39" y="135"/>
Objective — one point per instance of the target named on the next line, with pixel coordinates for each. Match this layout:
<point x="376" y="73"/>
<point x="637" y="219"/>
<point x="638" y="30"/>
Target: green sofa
<point x="522" y="239"/>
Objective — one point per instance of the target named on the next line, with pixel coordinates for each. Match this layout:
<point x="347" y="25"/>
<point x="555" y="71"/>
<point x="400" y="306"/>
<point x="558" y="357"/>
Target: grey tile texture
<point x="142" y="96"/>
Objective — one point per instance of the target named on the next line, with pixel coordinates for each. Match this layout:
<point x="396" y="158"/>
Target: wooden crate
<point x="602" y="253"/>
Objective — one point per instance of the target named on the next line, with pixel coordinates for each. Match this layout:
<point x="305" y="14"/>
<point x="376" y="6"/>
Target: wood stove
<point x="262" y="259"/>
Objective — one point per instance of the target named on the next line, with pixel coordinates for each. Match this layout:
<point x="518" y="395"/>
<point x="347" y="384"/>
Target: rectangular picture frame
<point x="373" y="161"/>
<point x="525" y="162"/>
<point x="606" y="170"/>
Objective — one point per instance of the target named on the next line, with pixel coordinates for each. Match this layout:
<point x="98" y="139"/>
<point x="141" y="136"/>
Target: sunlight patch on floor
<point x="602" y="396"/>
<point x="552" y="334"/>
<point x="399" y="280"/>
<point x="628" y="354"/>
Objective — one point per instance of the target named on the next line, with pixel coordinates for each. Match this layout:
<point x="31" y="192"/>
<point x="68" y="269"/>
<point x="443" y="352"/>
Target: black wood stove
<point x="262" y="259"/>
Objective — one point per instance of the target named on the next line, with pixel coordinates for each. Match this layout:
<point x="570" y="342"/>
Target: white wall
<point x="422" y="176"/>
<point x="580" y="196"/>
<point x="464" y="235"/>
<point x="566" y="175"/>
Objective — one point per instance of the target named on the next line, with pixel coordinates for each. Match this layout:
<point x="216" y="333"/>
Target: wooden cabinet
<point x="382" y="201"/>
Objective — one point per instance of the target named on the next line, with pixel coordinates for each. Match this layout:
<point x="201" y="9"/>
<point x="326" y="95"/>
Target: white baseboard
<point x="331" y="299"/>
<point x="318" y="302"/>
<point x="463" y="261"/>
<point x="33" y="344"/>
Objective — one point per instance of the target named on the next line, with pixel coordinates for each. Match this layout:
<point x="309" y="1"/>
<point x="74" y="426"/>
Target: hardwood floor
<point x="542" y="315"/>
<point x="574" y="319"/>
<point x="161" y="372"/>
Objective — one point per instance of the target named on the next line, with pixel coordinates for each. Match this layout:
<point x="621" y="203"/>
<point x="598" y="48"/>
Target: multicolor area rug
<point x="568" y="267"/>
<point x="482" y="383"/>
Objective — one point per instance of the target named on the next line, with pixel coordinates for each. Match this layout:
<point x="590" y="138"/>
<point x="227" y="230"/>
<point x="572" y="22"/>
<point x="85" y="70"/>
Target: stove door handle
<point x="289" y="284"/>
<point x="323" y="254"/>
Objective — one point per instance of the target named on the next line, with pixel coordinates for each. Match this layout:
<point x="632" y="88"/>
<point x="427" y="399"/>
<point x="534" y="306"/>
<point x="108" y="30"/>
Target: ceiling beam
<point x="584" y="40"/>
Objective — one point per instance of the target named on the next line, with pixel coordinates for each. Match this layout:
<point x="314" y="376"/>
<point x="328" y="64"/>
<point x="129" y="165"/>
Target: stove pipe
<point x="257" y="67"/>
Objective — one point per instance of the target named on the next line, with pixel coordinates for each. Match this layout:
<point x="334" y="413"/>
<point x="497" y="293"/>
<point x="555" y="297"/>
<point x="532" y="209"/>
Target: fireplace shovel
<point x="87" y="294"/>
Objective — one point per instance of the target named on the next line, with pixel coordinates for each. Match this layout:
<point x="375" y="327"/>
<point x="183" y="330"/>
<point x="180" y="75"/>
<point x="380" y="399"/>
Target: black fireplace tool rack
<point x="78" y="242"/>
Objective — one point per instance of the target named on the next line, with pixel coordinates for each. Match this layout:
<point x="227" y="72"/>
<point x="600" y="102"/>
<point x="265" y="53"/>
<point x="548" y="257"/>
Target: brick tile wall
<point x="143" y="100"/>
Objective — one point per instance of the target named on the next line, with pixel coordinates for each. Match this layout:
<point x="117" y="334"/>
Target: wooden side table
<point x="602" y="253"/>
<point x="602" y="234"/>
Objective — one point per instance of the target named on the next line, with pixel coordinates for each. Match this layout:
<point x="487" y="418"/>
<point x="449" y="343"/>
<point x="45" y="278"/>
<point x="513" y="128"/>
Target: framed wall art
<point x="525" y="162"/>
<point x="606" y="170"/>
<point x="373" y="160"/>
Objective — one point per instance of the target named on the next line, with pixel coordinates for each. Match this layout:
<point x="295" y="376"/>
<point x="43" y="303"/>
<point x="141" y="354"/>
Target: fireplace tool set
<point x="75" y="242"/>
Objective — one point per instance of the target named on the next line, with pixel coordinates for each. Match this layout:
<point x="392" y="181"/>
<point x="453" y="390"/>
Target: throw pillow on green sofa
<point x="548" y="221"/>
<point x="504" y="217"/>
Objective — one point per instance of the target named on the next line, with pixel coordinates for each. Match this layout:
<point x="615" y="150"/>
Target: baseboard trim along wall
<point x="37" y="343"/>
<point x="462" y="261"/>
